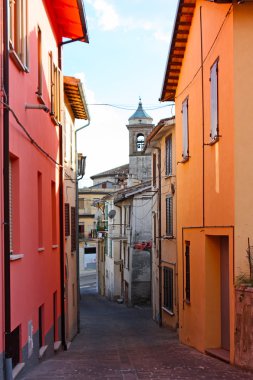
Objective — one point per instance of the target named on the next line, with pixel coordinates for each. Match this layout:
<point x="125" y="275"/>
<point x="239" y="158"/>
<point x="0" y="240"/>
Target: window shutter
<point x="169" y="216"/>
<point x="214" y="133"/>
<point x="169" y="155"/>
<point x="73" y="229"/>
<point x="67" y="226"/>
<point x="185" y="153"/>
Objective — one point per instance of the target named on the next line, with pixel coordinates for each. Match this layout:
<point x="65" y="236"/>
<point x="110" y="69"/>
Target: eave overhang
<point x="178" y="44"/>
<point x="160" y="130"/>
<point x="74" y="92"/>
<point x="68" y="19"/>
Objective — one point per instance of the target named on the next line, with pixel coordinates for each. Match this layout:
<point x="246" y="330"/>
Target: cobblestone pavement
<point x="120" y="343"/>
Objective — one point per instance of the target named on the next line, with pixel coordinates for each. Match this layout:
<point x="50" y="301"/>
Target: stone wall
<point x="244" y="327"/>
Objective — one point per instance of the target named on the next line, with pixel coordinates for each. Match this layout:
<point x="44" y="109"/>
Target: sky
<point x="125" y="59"/>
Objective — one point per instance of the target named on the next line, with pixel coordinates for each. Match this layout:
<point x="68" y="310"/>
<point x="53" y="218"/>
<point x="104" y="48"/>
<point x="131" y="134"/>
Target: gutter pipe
<point x="6" y="197"/>
<point x="77" y="230"/>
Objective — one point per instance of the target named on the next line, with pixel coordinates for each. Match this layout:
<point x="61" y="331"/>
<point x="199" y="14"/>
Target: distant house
<point x="161" y="142"/>
<point x="111" y="179"/>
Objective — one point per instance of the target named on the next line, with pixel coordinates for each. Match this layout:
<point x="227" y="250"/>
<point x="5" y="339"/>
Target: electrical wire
<point x="42" y="150"/>
<point x="129" y="108"/>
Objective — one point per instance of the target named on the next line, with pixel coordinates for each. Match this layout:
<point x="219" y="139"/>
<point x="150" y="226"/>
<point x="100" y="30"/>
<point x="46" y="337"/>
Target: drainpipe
<point x="62" y="232"/>
<point x="203" y="117"/>
<point x="77" y="230"/>
<point x="6" y="156"/>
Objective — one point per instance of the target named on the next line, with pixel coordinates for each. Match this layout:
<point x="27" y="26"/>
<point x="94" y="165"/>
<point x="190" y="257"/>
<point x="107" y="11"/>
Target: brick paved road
<point x="119" y="343"/>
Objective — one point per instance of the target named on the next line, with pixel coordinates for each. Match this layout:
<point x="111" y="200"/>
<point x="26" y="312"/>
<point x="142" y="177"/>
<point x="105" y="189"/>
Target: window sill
<point x="168" y="237"/>
<point x="41" y="249"/>
<point x="213" y="141"/>
<point x="17" y="61"/>
<point x="17" y="369"/>
<point x="42" y="351"/>
<point x="16" y="256"/>
<point x="171" y="313"/>
<point x="54" y="246"/>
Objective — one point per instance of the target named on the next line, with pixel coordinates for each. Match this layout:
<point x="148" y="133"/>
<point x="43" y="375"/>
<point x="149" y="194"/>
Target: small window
<point x="40" y="210"/>
<point x="18" y="33"/>
<point x="169" y="216"/>
<point x="168" y="289"/>
<point x="14" y="204"/>
<point x="56" y="89"/>
<point x="214" y="132"/>
<point x="140" y="142"/>
<point x="187" y="272"/>
<point x="185" y="153"/>
<point x="154" y="170"/>
<point x="53" y="213"/>
<point x="154" y="229"/>
<point x="169" y="155"/>
<point x="39" y="88"/>
<point x="41" y="326"/>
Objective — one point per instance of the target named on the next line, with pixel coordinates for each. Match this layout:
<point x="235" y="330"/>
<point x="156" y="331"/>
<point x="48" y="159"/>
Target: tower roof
<point x="140" y="113"/>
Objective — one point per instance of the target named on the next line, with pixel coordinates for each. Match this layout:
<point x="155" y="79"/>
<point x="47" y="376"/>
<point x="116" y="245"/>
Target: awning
<point x="68" y="17"/>
<point x="74" y="91"/>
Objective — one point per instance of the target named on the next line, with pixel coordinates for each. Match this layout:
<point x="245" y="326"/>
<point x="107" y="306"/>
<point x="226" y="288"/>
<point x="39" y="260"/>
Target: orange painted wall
<point x="35" y="277"/>
<point x="1" y="201"/>
<point x="205" y="200"/>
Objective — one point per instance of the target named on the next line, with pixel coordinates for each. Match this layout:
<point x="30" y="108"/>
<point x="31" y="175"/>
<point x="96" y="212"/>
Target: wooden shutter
<point x="169" y="155"/>
<point x="185" y="153"/>
<point x="67" y="224"/>
<point x="169" y="216"/>
<point x="214" y="133"/>
<point x="73" y="229"/>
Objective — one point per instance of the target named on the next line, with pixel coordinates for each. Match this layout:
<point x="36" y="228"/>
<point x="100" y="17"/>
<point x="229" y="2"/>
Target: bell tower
<point x="139" y="127"/>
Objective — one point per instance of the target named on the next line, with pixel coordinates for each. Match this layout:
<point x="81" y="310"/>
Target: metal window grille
<point x="169" y="216"/>
<point x="187" y="272"/>
<point x="169" y="155"/>
<point x="168" y="288"/>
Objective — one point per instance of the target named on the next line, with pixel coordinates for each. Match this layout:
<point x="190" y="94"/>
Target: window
<point x="53" y="213"/>
<point x="154" y="229"/>
<point x="56" y="87"/>
<point x="41" y="326"/>
<point x="67" y="222"/>
<point x="14" y="204"/>
<point x="81" y="231"/>
<point x="73" y="229"/>
<point x="140" y="142"/>
<point x="169" y="155"/>
<point x="169" y="216"/>
<point x="18" y="33"/>
<point x="39" y="88"/>
<point x="40" y="211"/>
<point x="214" y="133"/>
<point x="185" y="153"/>
<point x="55" y="316"/>
<point x="154" y="170"/>
<point x="187" y="272"/>
<point x="168" y="289"/>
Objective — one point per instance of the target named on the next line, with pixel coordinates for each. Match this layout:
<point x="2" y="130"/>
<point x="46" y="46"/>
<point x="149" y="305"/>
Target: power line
<point x="130" y="108"/>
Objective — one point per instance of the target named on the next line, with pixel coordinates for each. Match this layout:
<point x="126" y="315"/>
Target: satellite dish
<point x="112" y="214"/>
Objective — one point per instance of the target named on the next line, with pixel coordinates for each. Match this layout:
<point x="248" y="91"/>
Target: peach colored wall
<point x="1" y="199"/>
<point x="36" y="277"/>
<point x="243" y="85"/>
<point x="218" y="210"/>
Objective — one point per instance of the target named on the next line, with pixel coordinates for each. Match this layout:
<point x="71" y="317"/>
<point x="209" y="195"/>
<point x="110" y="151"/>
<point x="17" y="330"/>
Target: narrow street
<point x="117" y="342"/>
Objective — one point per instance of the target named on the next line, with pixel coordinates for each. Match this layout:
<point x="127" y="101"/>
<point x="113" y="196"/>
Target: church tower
<point x="139" y="127"/>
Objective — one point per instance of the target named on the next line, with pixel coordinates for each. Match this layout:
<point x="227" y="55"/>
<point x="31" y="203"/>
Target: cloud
<point x="108" y="18"/>
<point x="162" y="36"/>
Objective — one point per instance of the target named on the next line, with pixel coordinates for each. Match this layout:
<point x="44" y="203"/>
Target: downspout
<point x="77" y="234"/>
<point x="203" y="118"/>
<point x="159" y="234"/>
<point x="6" y="157"/>
<point x="61" y="216"/>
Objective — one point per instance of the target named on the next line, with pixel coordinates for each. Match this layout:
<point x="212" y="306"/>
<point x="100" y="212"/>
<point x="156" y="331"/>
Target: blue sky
<point x="125" y="59"/>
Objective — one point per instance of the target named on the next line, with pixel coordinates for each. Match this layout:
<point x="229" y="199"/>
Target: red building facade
<point x="33" y="105"/>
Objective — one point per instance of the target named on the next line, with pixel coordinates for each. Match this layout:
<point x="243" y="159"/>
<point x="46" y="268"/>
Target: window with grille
<point x="214" y="132"/>
<point x="169" y="155"/>
<point x="154" y="170"/>
<point x="67" y="221"/>
<point x="168" y="289"/>
<point x="73" y="229"/>
<point x="187" y="272"/>
<point x="169" y="216"/>
<point x="185" y="124"/>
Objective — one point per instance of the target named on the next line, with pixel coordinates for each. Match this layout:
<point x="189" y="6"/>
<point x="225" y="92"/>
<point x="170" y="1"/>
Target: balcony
<point x="118" y="232"/>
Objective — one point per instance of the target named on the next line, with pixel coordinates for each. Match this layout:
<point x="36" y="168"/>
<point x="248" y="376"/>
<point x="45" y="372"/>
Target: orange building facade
<point x="210" y="79"/>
